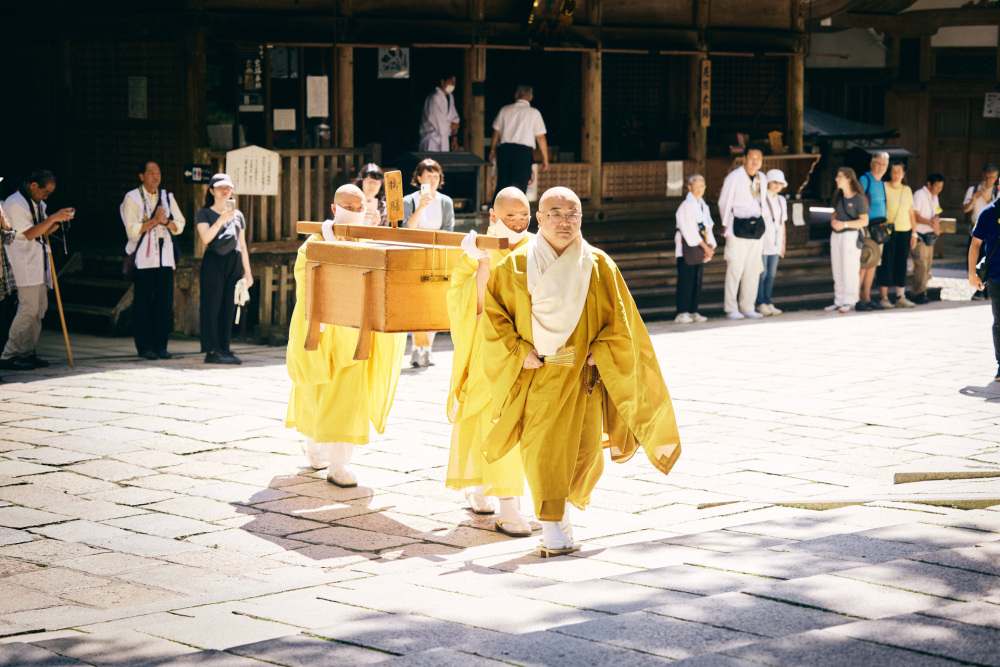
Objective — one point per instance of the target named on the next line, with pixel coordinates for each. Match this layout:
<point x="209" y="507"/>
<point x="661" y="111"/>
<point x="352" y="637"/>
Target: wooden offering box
<point x="378" y="285"/>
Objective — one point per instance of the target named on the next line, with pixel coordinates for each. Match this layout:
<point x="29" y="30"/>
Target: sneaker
<point x="920" y="299"/>
<point x="38" y="363"/>
<point x="217" y="358"/>
<point x="863" y="307"/>
<point x="997" y="378"/>
<point x="753" y="315"/>
<point x="875" y="305"/>
<point x="149" y="354"/>
<point x="699" y="318"/>
<point x="764" y="309"/>
<point x="774" y="309"/>
<point x="163" y="354"/>
<point x="16" y="364"/>
<point x="735" y="316"/>
<point x="415" y="357"/>
<point x="886" y="304"/>
<point x="845" y="309"/>
<point x="684" y="318"/>
<point x="832" y="307"/>
<point x="427" y="358"/>
<point x="231" y="358"/>
<point x="903" y="302"/>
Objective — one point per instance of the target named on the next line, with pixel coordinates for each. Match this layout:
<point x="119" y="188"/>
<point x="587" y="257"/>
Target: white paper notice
<point x="797" y="219"/>
<point x="317" y="97"/>
<point x="284" y="120"/>
<point x="675" y="179"/>
<point x="254" y="170"/>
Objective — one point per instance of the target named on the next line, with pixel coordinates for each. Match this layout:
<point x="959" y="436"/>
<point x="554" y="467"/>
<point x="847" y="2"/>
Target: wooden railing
<point x="308" y="179"/>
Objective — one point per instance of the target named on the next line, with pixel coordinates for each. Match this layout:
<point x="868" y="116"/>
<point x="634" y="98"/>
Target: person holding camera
<point x="223" y="230"/>
<point x="927" y="210"/>
<point x="31" y="263"/>
<point x="427" y="209"/>
<point x="978" y="197"/>
<point x="152" y="219"/>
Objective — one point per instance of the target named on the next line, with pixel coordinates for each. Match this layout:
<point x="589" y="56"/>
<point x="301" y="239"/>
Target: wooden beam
<point x="796" y="101"/>
<point x="345" y="96"/>
<point x="591" y="139"/>
<point x="697" y="134"/>
<point x="921" y="22"/>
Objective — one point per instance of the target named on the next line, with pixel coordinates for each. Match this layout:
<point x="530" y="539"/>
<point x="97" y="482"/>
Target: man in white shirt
<point x="927" y="210"/>
<point x="981" y="195"/>
<point x="517" y="130"/>
<point x="439" y="121"/>
<point x="152" y="219"/>
<point x="31" y="262"/>
<point x="741" y="209"/>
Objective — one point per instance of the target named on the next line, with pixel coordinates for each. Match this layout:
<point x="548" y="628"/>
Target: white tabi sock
<point x="553" y="536"/>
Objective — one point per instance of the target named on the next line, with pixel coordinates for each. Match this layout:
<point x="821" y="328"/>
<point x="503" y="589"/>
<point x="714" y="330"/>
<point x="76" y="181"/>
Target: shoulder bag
<point x="878" y="229"/>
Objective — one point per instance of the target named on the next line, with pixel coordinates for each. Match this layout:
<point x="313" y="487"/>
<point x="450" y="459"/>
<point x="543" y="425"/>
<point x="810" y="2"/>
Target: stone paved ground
<point x="156" y="513"/>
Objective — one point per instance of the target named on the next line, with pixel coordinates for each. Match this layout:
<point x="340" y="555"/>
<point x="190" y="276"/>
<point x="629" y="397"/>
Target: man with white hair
<point x="517" y="130"/>
<point x="741" y="207"/>
<point x="874" y="188"/>
<point x="568" y="359"/>
<point x="334" y="396"/>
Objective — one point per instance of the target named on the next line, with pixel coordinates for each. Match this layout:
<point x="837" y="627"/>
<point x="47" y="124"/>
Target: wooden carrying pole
<point x="62" y="316"/>
<point x="423" y="236"/>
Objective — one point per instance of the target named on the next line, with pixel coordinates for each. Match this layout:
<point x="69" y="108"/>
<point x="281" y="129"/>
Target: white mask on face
<point x="345" y="217"/>
<point x="449" y="89"/>
<point x="502" y="231"/>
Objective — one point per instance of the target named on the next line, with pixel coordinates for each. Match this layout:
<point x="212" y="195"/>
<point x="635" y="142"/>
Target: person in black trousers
<point x="152" y="221"/>
<point x="694" y="245"/>
<point x="223" y="230"/>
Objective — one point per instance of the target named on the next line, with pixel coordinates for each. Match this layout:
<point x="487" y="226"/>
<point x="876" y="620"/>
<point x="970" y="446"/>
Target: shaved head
<point x="349" y="197"/>
<point x="509" y="195"/>
<point x="512" y="208"/>
<point x="558" y="197"/>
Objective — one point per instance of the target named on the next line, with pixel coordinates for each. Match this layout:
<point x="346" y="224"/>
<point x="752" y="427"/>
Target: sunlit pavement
<point x="159" y="513"/>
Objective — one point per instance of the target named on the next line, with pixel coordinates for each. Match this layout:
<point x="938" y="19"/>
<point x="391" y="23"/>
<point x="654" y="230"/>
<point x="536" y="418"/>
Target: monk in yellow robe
<point x="469" y="404"/>
<point x="560" y="299"/>
<point x="334" y="397"/>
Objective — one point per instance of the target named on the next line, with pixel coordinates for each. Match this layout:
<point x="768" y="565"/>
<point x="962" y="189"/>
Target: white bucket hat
<point x="776" y="175"/>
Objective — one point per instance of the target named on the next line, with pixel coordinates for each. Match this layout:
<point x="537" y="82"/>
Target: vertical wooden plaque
<point x="394" y="197"/>
<point x="706" y="93"/>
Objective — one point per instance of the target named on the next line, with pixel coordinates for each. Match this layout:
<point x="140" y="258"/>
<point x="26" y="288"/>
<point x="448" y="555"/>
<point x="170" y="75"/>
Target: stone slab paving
<point x="158" y="513"/>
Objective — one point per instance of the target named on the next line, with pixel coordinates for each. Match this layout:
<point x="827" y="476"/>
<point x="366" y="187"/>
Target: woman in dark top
<point x="371" y="180"/>
<point x="223" y="230"/>
<point x="850" y="217"/>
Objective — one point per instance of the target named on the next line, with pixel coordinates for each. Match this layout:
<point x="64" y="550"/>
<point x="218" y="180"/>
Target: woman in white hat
<point x="223" y="230"/>
<point x="775" y="210"/>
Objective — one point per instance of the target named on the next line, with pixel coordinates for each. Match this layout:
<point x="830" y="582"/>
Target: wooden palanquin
<point x="377" y="285"/>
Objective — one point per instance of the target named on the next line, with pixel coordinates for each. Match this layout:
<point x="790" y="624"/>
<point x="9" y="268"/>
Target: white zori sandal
<point x="317" y="454"/>
<point x="510" y="522"/>
<point x="478" y="503"/>
<point x="557" y="539"/>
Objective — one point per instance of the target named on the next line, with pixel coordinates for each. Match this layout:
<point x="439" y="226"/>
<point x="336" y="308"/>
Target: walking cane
<point x="55" y="285"/>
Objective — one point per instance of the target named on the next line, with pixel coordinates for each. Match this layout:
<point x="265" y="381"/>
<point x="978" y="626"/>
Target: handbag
<point x="693" y="254"/>
<point x="748" y="228"/>
<point x="879" y="230"/>
<point x="861" y="239"/>
<point x="929" y="239"/>
<point x="128" y="264"/>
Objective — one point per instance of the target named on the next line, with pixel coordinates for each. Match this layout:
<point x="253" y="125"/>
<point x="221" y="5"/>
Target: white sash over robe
<point x="558" y="285"/>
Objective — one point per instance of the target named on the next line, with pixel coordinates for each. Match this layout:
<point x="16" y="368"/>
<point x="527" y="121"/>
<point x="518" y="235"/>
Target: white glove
<point x="328" y="231"/>
<point x="469" y="246"/>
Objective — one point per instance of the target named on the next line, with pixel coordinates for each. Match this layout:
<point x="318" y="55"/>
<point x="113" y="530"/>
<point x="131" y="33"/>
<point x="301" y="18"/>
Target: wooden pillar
<point x="796" y="101"/>
<point x="475" y="100"/>
<point x="345" y="96"/>
<point x="591" y="139"/>
<point x="697" y="133"/>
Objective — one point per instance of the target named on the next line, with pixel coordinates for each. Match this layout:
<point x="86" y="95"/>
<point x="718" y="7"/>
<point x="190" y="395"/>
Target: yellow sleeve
<point x="638" y="410"/>
<point x="384" y="363"/>
<point x="462" y="314"/>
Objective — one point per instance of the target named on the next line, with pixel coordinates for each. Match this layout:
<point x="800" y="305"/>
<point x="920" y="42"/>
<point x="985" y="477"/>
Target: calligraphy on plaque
<point x="254" y="170"/>
<point x="705" y="93"/>
<point x="394" y="197"/>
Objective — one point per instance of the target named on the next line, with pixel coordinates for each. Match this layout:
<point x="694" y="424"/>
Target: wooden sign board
<point x="705" y="93"/>
<point x="394" y="197"/>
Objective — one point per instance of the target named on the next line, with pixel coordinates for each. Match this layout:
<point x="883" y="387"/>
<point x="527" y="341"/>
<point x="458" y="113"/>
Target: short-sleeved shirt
<point x="980" y="203"/>
<point x="519" y="123"/>
<point x="851" y="208"/>
<point x="988" y="231"/>
<point x="228" y="238"/>
<point x="897" y="207"/>
<point x="27" y="257"/>
<point x="926" y="206"/>
<point x="875" y="189"/>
